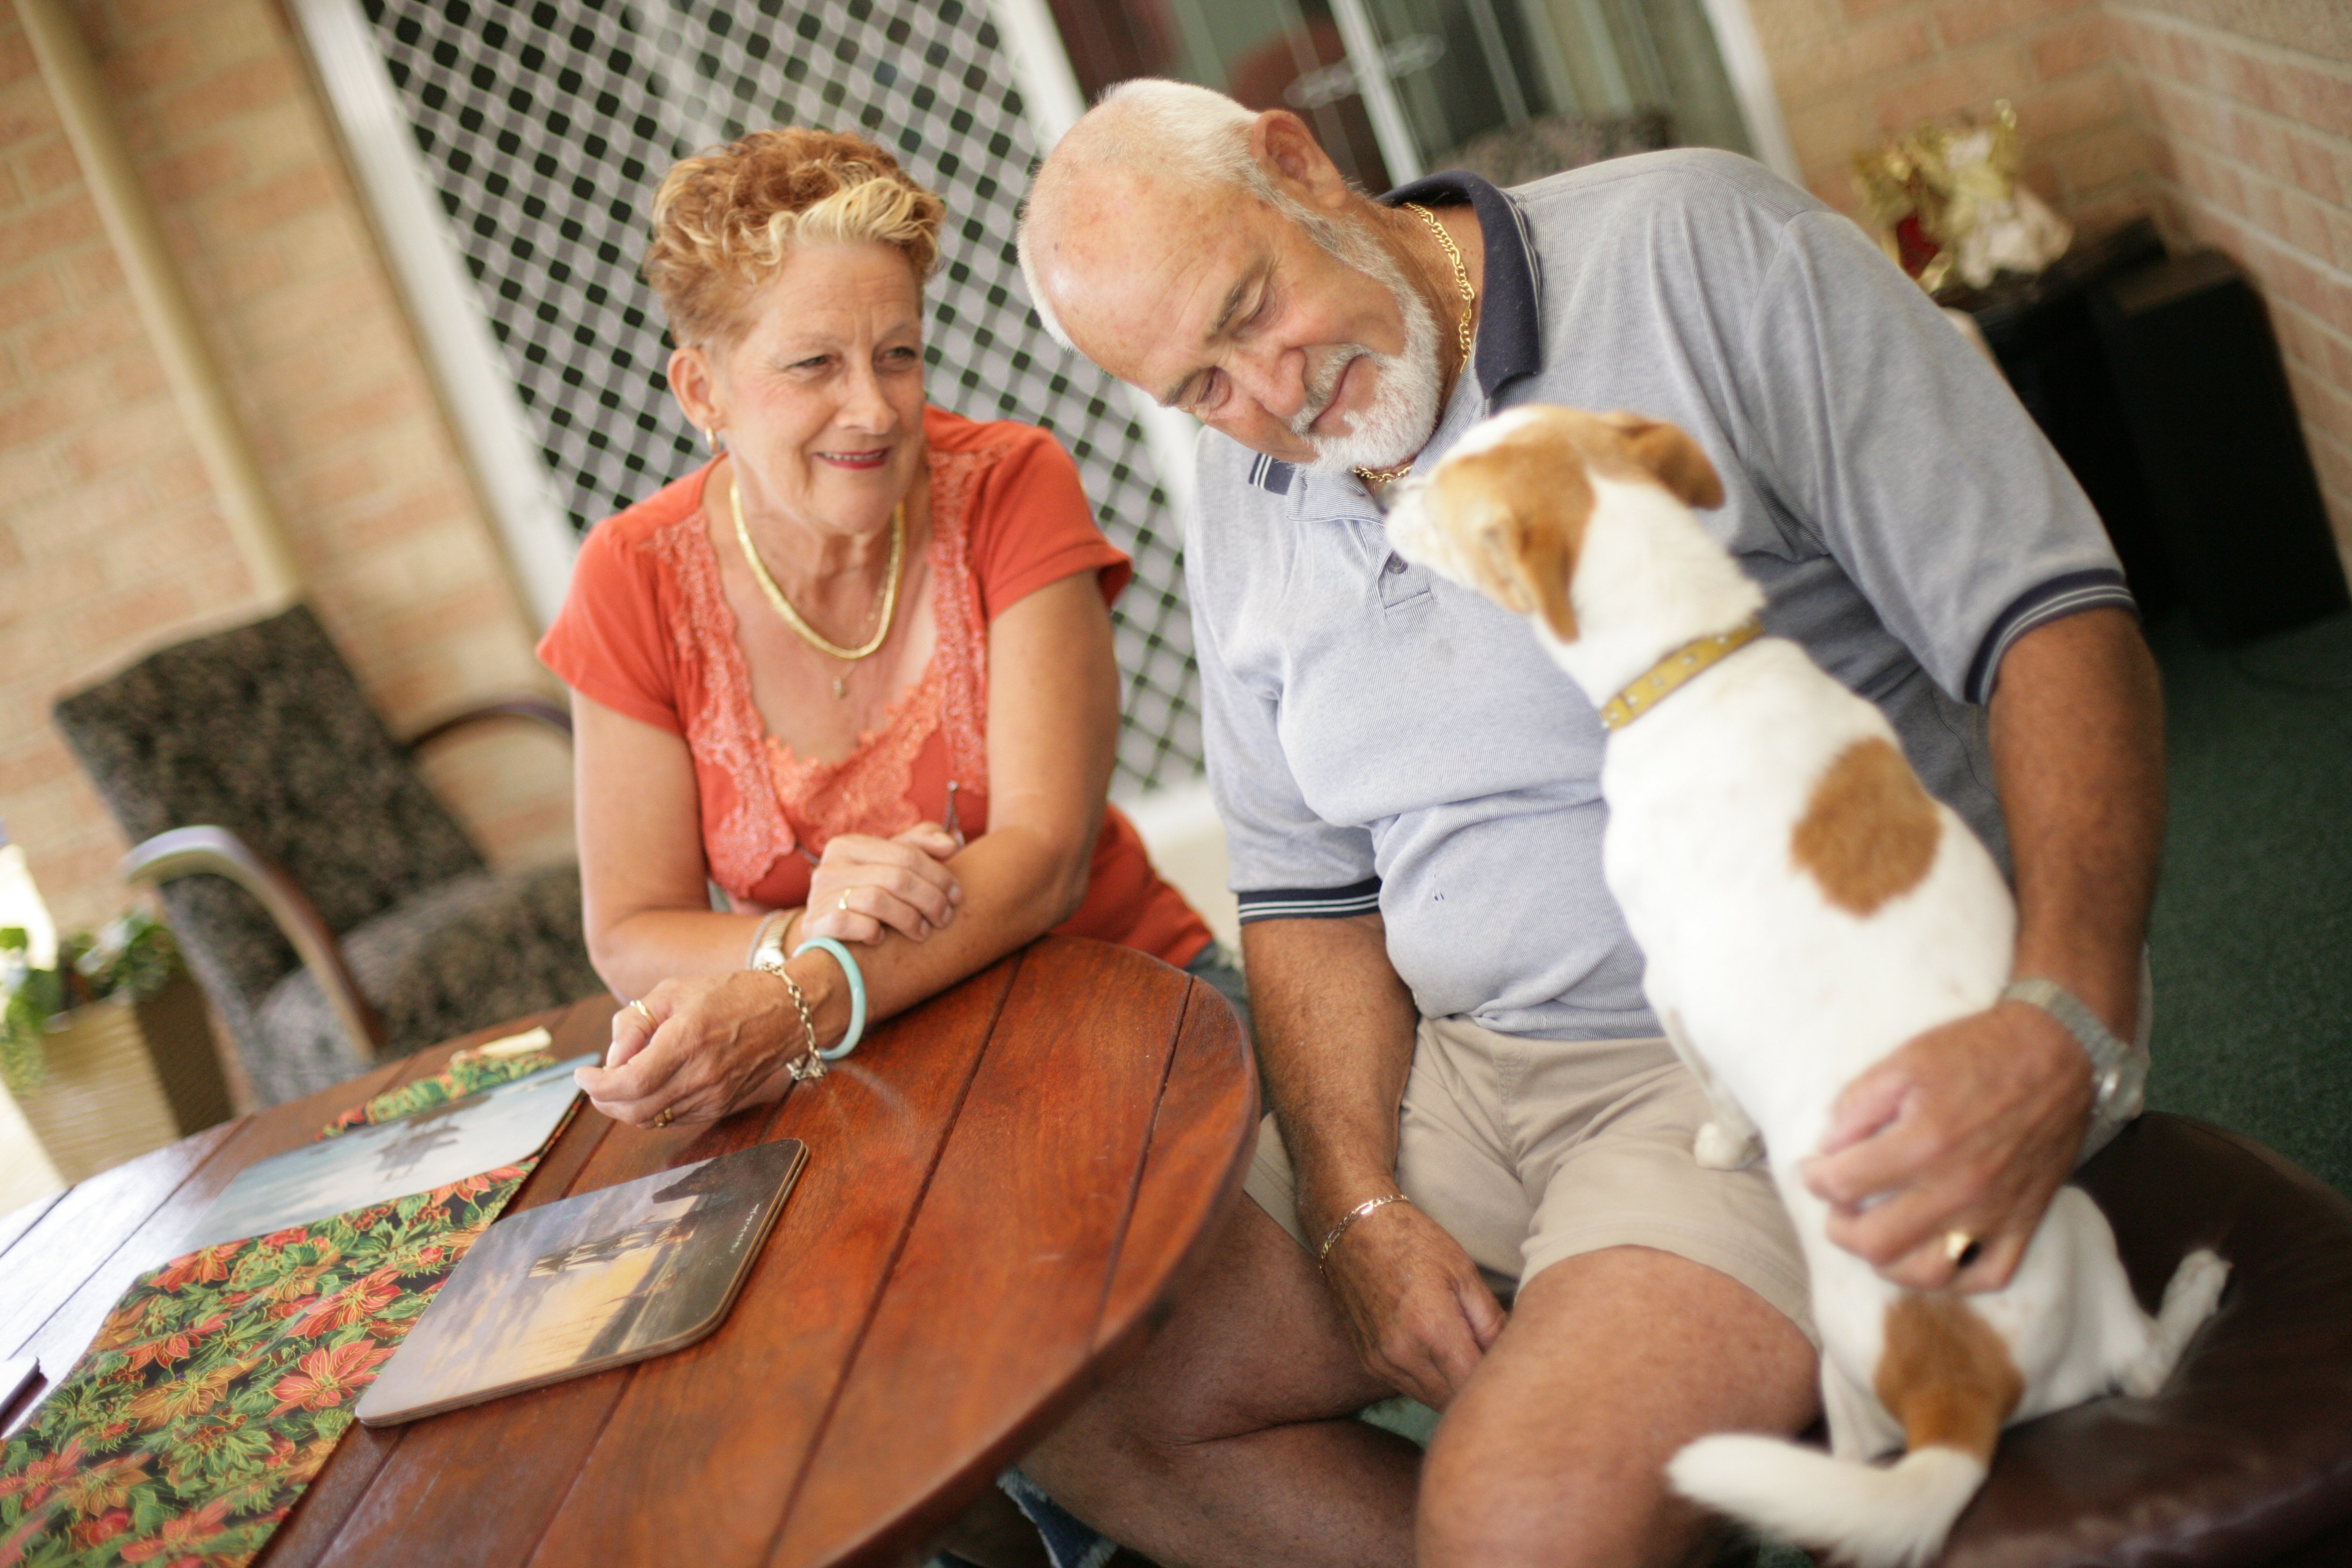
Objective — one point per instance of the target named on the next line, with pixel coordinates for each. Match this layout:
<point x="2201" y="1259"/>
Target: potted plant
<point x="75" y="1059"/>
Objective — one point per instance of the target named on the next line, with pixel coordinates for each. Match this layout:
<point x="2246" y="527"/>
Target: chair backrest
<point x="262" y="730"/>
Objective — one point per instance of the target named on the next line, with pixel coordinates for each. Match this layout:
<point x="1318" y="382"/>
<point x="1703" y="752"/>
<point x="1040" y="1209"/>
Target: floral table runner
<point x="223" y="1380"/>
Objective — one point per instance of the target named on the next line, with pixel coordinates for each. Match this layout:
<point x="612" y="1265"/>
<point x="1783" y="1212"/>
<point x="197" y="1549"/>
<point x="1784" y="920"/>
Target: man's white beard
<point x="1404" y="409"/>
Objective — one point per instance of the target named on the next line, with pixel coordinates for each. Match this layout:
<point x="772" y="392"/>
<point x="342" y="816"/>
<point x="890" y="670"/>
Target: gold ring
<point x="843" y="901"/>
<point x="664" y="1118"/>
<point x="641" y="1010"/>
<point x="1961" y="1248"/>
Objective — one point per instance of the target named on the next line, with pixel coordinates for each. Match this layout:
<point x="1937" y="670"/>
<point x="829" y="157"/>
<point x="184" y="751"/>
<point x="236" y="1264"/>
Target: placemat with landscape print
<point x="223" y="1380"/>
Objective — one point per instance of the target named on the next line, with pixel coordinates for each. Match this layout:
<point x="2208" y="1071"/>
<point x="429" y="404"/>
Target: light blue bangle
<point x="856" y="994"/>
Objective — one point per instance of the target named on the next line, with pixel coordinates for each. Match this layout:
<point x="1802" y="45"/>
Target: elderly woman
<point x="855" y="670"/>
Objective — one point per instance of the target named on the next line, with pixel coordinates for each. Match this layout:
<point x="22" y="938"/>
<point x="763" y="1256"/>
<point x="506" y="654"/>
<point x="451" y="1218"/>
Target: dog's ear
<point x="1518" y="510"/>
<point x="1548" y="549"/>
<point x="1668" y="451"/>
<point x="1535" y="550"/>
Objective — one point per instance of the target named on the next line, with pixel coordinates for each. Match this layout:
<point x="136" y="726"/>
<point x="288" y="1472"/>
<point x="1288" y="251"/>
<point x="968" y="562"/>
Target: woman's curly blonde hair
<point x="725" y="220"/>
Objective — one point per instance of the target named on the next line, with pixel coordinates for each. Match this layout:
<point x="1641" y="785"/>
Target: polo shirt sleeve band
<point x="1311" y="903"/>
<point x="2068" y="594"/>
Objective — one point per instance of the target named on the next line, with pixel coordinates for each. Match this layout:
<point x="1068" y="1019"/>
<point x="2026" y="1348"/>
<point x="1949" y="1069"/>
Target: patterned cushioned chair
<point x="344" y="915"/>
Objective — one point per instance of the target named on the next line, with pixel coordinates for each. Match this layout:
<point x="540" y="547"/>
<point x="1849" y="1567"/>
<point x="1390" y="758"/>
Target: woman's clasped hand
<point x="864" y="886"/>
<point x="695" y="1050"/>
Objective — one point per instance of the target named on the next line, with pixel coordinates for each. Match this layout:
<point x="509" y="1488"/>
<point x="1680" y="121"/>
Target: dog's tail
<point x="1948" y="1377"/>
<point x="1875" y="1517"/>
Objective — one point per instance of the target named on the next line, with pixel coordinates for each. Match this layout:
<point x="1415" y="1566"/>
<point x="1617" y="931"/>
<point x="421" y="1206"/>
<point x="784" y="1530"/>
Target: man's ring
<point x="641" y="1010"/>
<point x="1961" y="1248"/>
<point x="664" y="1118"/>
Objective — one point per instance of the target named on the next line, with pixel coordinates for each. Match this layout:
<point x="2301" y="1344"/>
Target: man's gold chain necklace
<point x="793" y="619"/>
<point x="1461" y="328"/>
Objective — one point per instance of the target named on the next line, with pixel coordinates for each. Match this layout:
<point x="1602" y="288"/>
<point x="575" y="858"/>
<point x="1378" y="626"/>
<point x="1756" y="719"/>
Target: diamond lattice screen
<point x="545" y="129"/>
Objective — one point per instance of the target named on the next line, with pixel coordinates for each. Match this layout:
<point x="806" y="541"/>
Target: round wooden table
<point x="1001" y="1185"/>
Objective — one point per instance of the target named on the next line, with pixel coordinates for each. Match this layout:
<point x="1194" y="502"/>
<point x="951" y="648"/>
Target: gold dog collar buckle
<point x="1667" y="677"/>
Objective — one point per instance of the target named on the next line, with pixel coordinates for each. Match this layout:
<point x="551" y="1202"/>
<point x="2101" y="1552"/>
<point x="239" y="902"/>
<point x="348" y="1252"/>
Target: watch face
<point x="2122" y="1086"/>
<point x="2133" y="1079"/>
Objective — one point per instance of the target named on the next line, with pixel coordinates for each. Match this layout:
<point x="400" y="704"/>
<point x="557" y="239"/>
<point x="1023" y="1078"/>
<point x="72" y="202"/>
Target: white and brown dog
<point x="1805" y="907"/>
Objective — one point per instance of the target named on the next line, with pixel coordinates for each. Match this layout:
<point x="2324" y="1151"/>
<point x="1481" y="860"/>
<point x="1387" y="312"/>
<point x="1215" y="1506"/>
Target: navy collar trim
<point x="1510" y="330"/>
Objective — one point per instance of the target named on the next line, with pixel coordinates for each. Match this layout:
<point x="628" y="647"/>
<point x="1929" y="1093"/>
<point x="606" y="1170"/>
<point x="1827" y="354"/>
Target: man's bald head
<point x="1146" y="138"/>
<point x="1218" y="260"/>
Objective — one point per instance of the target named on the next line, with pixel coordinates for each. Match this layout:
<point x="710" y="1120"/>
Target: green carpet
<point x="2251" y="946"/>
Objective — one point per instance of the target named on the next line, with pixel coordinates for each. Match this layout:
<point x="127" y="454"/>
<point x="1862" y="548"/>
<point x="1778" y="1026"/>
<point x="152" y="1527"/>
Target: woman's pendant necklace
<point x="840" y="686"/>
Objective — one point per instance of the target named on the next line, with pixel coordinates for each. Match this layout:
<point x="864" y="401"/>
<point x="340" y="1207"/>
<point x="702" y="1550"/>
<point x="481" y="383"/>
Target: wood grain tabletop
<point x="1002" y="1184"/>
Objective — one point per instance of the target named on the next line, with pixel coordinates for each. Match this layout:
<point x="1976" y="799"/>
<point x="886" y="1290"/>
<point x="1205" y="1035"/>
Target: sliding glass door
<point x="1395" y="88"/>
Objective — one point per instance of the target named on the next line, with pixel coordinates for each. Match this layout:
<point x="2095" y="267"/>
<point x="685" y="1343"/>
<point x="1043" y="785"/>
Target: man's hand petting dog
<point x="1419" y="1314"/>
<point x="1971" y="1128"/>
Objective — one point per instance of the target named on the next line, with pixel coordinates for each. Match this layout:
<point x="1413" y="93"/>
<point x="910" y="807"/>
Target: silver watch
<point x="2119" y="1073"/>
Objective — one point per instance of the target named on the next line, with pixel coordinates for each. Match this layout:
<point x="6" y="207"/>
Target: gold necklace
<point x="1461" y="328"/>
<point x="792" y="617"/>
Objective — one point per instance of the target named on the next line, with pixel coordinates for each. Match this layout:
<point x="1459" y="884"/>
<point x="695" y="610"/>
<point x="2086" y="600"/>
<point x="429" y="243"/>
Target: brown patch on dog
<point x="1670" y="456"/>
<point x="1870" y="830"/>
<point x="1945" y="1375"/>
<point x="1523" y="503"/>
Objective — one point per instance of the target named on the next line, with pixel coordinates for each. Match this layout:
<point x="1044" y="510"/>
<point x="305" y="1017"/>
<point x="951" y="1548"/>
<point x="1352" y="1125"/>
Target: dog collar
<point x="1667" y="677"/>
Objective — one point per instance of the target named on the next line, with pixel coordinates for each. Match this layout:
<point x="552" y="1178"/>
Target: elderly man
<point x="1470" y="1101"/>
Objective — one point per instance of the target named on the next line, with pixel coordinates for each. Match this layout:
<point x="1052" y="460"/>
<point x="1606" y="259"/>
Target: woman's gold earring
<point x="711" y="436"/>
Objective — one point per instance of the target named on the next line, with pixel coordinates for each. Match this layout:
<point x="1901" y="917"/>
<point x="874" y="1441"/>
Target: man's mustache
<point x="1322" y="386"/>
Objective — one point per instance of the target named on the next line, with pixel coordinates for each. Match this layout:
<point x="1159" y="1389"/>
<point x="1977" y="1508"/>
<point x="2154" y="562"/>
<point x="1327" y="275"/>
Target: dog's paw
<point x="1717" y="1148"/>
<point x="2195" y="1291"/>
<point x="2192" y="1297"/>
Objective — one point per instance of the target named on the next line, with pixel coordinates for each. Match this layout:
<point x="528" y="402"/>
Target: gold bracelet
<point x="809" y="1064"/>
<point x="1331" y="1238"/>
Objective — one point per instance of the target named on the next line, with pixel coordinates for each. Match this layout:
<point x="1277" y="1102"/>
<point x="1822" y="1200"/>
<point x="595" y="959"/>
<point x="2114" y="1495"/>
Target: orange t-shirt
<point x="647" y="631"/>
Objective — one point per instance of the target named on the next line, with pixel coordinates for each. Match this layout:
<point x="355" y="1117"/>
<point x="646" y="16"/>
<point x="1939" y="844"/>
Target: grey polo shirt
<point x="1379" y="738"/>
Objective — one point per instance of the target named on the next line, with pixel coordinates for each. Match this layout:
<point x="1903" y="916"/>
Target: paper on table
<point x="442" y="1143"/>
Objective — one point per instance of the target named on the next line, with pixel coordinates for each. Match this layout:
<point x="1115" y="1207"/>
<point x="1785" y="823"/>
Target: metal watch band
<point x="760" y="940"/>
<point x="767" y="953"/>
<point x="2108" y="1053"/>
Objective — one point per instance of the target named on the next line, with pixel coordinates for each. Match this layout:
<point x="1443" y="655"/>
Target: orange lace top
<point x="647" y="631"/>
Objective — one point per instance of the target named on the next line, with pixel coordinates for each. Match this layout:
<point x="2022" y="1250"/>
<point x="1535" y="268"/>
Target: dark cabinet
<point x="2158" y="380"/>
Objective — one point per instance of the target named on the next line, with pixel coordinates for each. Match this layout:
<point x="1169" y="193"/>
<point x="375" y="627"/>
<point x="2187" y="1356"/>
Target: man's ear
<point x="1288" y="151"/>
<point x="1668" y="451"/>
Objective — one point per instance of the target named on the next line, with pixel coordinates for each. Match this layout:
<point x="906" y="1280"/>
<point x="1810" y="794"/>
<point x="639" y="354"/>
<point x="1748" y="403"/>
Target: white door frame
<point x="494" y="434"/>
<point x="1751" y="83"/>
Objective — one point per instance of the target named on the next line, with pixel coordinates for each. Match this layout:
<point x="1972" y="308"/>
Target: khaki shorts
<point x="1530" y="1151"/>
